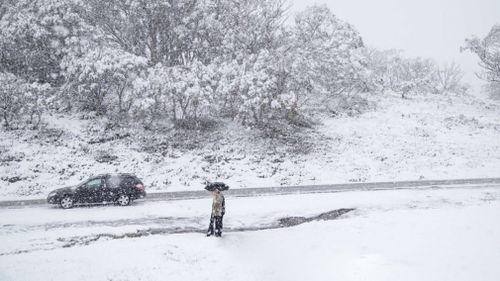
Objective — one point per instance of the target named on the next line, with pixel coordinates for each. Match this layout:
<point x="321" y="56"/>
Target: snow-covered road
<point x="421" y="234"/>
<point x="301" y="189"/>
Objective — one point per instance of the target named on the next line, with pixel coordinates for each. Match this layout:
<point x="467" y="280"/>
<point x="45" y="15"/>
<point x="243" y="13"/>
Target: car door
<point x="82" y="193"/>
<point x="127" y="184"/>
<point x="91" y="191"/>
<point x="110" y="188"/>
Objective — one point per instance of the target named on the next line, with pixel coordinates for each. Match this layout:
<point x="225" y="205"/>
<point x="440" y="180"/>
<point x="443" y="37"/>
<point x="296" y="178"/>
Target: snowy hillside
<point x="422" y="137"/>
<point x="181" y="93"/>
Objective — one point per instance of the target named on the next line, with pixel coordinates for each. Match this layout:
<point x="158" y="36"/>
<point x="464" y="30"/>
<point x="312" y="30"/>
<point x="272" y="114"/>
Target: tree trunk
<point x="174" y="109"/>
<point x="6" y="119"/>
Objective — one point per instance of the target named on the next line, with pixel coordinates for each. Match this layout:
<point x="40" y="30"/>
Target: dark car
<point x="107" y="188"/>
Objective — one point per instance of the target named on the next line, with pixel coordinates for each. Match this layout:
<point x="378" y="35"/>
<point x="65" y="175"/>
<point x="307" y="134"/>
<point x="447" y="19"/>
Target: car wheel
<point x="66" y="202"/>
<point x="123" y="200"/>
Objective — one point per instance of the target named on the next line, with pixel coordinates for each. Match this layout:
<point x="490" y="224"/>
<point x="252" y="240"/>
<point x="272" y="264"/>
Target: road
<point x="302" y="189"/>
<point x="36" y="226"/>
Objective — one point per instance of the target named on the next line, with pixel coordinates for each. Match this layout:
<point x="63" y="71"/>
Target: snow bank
<point x="445" y="235"/>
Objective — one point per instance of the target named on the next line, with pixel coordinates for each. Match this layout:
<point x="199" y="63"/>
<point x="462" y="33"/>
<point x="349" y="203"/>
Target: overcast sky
<point x="430" y="28"/>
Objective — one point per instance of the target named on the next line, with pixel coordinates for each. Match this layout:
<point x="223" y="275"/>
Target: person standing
<point x="218" y="211"/>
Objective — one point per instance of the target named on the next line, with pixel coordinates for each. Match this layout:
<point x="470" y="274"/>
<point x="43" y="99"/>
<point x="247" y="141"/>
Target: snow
<point x="450" y="234"/>
<point x="423" y="137"/>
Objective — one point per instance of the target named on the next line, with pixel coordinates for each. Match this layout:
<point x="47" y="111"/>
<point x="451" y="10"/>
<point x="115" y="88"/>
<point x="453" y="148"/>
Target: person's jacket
<point x="218" y="205"/>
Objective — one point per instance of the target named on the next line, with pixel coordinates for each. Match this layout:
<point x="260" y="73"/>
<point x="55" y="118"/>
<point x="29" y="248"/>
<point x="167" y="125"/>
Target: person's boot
<point x="210" y="230"/>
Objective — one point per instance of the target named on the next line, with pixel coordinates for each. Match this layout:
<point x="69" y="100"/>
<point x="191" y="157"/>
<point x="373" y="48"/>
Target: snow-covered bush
<point x="37" y="99"/>
<point x="178" y="93"/>
<point x="192" y="90"/>
<point x="101" y="79"/>
<point x="20" y="100"/>
<point x="260" y="88"/>
<point x="389" y="70"/>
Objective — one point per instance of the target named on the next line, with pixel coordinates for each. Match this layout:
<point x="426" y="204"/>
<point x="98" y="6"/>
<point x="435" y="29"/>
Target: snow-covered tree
<point x="34" y="36"/>
<point x="447" y="79"/>
<point x="193" y="89"/>
<point x="260" y="88"/>
<point x="11" y="97"/>
<point x="5" y="6"/>
<point x="488" y="51"/>
<point x="37" y="99"/>
<point x="291" y="68"/>
<point x="181" y="93"/>
<point x="251" y="25"/>
<point x="182" y="61"/>
<point x="329" y="52"/>
<point x="101" y="79"/>
<point x="167" y="32"/>
<point x="411" y="76"/>
<point x="379" y="64"/>
<point x="155" y="96"/>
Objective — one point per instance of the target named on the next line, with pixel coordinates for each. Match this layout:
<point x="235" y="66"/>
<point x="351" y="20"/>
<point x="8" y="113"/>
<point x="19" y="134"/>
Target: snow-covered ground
<point x="451" y="234"/>
<point x="424" y="137"/>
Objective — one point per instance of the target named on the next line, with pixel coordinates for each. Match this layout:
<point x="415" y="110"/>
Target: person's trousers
<point x="215" y="222"/>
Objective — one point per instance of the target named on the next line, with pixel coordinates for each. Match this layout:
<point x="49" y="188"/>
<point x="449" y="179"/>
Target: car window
<point x="114" y="181"/>
<point x="93" y="183"/>
<point x="137" y="180"/>
<point x="129" y="181"/>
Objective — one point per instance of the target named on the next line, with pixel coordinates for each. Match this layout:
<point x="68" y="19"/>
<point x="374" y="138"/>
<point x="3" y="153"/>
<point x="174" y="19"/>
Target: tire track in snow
<point x="89" y="239"/>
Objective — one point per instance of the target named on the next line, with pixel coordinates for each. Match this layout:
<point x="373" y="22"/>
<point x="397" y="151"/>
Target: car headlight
<point x="52" y="193"/>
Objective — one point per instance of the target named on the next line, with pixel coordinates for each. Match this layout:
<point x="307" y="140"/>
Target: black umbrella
<point x="212" y="186"/>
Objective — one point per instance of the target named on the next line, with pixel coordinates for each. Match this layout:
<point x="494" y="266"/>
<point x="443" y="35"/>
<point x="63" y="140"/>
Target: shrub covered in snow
<point x="21" y="101"/>
<point x="408" y="76"/>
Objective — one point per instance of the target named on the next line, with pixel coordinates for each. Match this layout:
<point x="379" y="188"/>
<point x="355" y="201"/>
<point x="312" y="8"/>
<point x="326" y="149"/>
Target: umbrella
<point x="212" y="186"/>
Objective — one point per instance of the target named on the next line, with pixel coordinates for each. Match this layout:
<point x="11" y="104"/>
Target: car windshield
<point x="82" y="183"/>
<point x="87" y="181"/>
